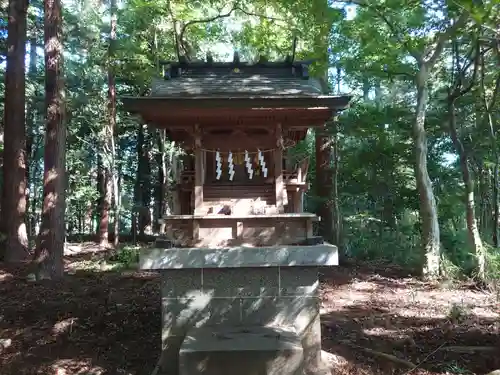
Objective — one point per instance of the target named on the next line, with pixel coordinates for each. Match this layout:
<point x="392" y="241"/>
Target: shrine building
<point x="236" y="123"/>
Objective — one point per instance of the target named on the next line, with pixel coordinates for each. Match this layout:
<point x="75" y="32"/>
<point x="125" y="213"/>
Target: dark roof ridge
<point x="229" y="64"/>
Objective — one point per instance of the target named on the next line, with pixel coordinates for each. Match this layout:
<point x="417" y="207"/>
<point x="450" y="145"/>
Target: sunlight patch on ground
<point x="333" y="361"/>
<point x="95" y="266"/>
<point x="63" y="326"/>
<point x="379" y="331"/>
<point x="460" y="297"/>
<point x="342" y="302"/>
<point x="76" y="367"/>
<point x="421" y="313"/>
<point x="407" y="299"/>
<point x="412" y="298"/>
<point x="401" y="333"/>
<point x="365" y="286"/>
<point x="481" y="312"/>
<point x="81" y="248"/>
<point x="5" y="276"/>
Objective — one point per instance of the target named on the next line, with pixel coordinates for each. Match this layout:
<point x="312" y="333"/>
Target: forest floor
<point x="375" y="320"/>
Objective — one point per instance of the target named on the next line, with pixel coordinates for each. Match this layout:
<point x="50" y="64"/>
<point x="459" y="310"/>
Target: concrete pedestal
<point x="243" y="351"/>
<point x="226" y="289"/>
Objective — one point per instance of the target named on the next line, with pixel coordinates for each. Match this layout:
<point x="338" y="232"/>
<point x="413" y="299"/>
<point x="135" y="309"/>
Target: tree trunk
<point x="30" y="127"/>
<point x="324" y="183"/>
<point x="336" y="218"/>
<point x="480" y="194"/>
<point x="110" y="177"/>
<point x="101" y="193"/>
<point x="104" y="206"/>
<point x="50" y="248"/>
<point x="138" y="199"/>
<point x="496" y="206"/>
<point x="378" y="94"/>
<point x="491" y="120"/>
<point x="428" y="209"/>
<point x="145" y="186"/>
<point x="472" y="227"/>
<point x="161" y="187"/>
<point x="117" y="201"/>
<point x="489" y="107"/>
<point x="485" y="198"/>
<point x="14" y="156"/>
<point x="366" y="89"/>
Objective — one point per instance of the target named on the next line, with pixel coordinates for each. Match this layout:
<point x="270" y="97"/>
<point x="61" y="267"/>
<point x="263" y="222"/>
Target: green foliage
<point x="374" y="53"/>
<point x="458" y="312"/>
<point x="126" y="257"/>
<point x="458" y="256"/>
<point x="367" y="239"/>
<point x="454" y="368"/>
<point x="492" y="277"/>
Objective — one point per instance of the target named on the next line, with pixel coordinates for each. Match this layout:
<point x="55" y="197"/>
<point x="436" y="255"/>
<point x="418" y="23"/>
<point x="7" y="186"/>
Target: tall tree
<point x="109" y="184"/>
<point x="50" y="247"/>
<point x="32" y="113"/>
<point x="111" y="132"/>
<point x="426" y="57"/>
<point x="458" y="89"/>
<point x="105" y="194"/>
<point x="406" y="39"/>
<point x="14" y="167"/>
<point x="490" y="104"/>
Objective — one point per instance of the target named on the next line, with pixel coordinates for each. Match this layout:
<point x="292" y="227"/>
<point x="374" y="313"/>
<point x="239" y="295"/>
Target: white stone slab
<point x="240" y="256"/>
<point x="207" y="339"/>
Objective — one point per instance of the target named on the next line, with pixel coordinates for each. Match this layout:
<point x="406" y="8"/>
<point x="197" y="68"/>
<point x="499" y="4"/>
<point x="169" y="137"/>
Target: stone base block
<point x="242" y="351"/>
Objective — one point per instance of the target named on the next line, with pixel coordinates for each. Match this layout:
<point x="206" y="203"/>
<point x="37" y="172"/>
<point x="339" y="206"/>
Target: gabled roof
<point x="205" y="79"/>
<point x="235" y="86"/>
<point x="260" y="94"/>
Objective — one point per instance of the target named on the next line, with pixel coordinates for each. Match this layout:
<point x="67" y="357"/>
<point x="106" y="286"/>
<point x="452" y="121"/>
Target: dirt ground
<point x="374" y="321"/>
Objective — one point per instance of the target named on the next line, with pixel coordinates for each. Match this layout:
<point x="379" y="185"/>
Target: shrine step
<point x="242" y="351"/>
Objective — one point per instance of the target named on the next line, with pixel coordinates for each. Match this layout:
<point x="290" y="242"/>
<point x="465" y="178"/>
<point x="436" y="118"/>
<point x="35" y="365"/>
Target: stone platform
<point x="243" y="351"/>
<point x="220" y="289"/>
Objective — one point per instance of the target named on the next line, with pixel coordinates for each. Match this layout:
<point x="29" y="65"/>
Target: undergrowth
<point x="366" y="239"/>
<point x="492" y="277"/>
<point x="127" y="256"/>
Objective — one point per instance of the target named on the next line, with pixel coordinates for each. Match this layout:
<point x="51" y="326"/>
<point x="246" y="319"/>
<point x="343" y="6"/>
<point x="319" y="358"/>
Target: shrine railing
<point x="299" y="173"/>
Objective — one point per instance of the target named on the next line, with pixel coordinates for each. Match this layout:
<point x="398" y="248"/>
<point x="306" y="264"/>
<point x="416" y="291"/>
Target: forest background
<point x="414" y="163"/>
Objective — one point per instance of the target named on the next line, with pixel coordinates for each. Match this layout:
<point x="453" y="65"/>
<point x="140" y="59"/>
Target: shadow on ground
<point x="109" y="323"/>
<point x="90" y="323"/>
<point x="354" y="333"/>
<point x="432" y="327"/>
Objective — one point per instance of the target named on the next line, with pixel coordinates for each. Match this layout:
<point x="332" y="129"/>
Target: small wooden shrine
<point x="240" y="285"/>
<point x="236" y="122"/>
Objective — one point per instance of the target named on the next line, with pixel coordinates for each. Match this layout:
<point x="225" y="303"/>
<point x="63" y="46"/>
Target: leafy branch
<point x="434" y="50"/>
<point x="442" y="38"/>
<point x="458" y="89"/>
<point x="180" y="40"/>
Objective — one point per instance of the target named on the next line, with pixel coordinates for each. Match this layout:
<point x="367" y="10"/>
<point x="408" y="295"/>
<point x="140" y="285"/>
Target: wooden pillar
<point x="176" y="201"/>
<point x="297" y="201"/>
<point x="278" y="171"/>
<point x="198" y="172"/>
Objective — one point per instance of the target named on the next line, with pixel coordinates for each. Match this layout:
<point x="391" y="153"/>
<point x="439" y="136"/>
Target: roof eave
<point x="339" y="103"/>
